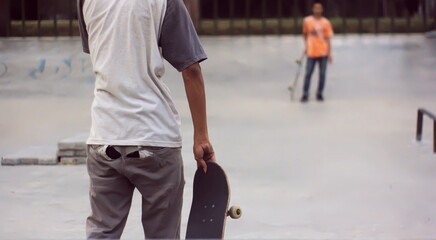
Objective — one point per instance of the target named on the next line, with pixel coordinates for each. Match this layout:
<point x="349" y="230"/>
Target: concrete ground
<point x="345" y="168"/>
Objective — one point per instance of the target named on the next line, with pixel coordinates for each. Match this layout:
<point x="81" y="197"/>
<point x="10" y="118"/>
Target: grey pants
<point x="158" y="175"/>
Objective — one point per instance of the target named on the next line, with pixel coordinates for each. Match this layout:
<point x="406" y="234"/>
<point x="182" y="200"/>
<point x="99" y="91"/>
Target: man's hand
<point x="330" y="58"/>
<point x="203" y="152"/>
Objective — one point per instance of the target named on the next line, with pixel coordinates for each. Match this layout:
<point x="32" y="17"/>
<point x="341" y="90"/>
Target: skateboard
<point x="210" y="204"/>
<point x="293" y="85"/>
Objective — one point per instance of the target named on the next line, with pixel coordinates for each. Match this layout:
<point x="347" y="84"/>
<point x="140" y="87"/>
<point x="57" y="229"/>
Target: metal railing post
<point x="55" y="17"/>
<point x="193" y="9"/>
<point x="70" y="18"/>
<point x="344" y="19"/>
<point x="38" y="9"/>
<point x="5" y="17"/>
<point x="23" y="18"/>
<point x="392" y="21"/>
<point x="424" y="14"/>
<point x="247" y="16"/>
<point x="295" y="10"/>
<point x="359" y="4"/>
<point x="376" y="23"/>
<point x="434" y="135"/>
<point x="215" y="16"/>
<point x="232" y="17"/>
<point x="419" y="126"/>
<point x="280" y="13"/>
<point x="200" y="17"/>
<point x="263" y="16"/>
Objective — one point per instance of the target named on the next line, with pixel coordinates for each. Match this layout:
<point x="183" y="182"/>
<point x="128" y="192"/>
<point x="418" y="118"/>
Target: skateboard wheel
<point x="235" y="212"/>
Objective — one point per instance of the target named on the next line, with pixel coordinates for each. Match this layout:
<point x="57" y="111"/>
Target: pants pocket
<point x="106" y="152"/>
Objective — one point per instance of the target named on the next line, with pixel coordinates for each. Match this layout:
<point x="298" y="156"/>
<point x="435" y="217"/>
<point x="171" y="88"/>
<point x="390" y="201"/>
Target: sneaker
<point x="304" y="99"/>
<point x="319" y="97"/>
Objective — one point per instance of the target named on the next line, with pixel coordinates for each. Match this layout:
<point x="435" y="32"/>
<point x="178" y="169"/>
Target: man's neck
<point x="317" y="16"/>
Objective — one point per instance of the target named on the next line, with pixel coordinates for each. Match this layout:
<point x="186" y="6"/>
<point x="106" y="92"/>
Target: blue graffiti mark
<point x="40" y="69"/>
<point x="68" y="62"/>
<point x="46" y="70"/>
<point x="3" y="69"/>
<point x="77" y="69"/>
<point x="41" y="66"/>
<point x="62" y="69"/>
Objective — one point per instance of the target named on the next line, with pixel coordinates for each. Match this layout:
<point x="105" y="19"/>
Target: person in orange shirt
<point x="317" y="32"/>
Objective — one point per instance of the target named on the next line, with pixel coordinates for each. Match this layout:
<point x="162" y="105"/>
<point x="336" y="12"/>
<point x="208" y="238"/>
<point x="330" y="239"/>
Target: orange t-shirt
<point x="318" y="32"/>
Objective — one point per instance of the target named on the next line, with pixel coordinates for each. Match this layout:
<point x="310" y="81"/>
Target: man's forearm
<point x="195" y="92"/>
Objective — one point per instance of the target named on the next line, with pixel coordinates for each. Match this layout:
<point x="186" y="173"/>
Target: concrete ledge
<point x="72" y="150"/>
<point x="73" y="160"/>
<point x="71" y="153"/>
<point x="36" y="155"/>
<point x="65" y="153"/>
<point x="76" y="142"/>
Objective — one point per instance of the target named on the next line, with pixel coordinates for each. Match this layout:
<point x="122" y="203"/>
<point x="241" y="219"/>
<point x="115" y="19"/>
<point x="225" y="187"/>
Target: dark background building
<point x="346" y="8"/>
<point x="58" y="17"/>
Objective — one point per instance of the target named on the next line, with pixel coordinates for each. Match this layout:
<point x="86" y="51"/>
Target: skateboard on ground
<point x="210" y="204"/>
<point x="293" y="85"/>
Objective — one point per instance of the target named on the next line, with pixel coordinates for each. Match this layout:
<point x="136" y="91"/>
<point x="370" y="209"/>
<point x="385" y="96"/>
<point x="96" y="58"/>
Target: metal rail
<point x="419" y="125"/>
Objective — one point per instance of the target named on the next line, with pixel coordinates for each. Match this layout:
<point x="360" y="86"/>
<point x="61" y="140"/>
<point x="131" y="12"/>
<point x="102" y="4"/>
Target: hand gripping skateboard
<point x="293" y="85"/>
<point x="210" y="204"/>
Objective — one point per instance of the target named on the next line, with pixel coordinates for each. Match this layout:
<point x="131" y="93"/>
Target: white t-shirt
<point x="128" y="41"/>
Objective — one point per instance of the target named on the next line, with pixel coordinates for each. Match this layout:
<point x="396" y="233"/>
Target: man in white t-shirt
<point x="135" y="139"/>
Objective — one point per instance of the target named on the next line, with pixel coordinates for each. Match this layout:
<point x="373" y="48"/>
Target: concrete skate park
<point x="349" y="167"/>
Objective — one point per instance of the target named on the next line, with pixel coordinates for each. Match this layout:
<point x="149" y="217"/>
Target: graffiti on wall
<point x="68" y="68"/>
<point x="3" y="69"/>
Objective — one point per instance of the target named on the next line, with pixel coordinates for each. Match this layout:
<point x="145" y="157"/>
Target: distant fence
<point x="38" y="18"/>
<point x="285" y="16"/>
<point x="236" y="17"/>
<point x="419" y="125"/>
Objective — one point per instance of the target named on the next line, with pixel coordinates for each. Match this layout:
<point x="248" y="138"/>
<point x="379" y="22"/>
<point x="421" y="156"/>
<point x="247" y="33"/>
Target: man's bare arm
<point x="330" y="56"/>
<point x="305" y="42"/>
<point x="195" y="92"/>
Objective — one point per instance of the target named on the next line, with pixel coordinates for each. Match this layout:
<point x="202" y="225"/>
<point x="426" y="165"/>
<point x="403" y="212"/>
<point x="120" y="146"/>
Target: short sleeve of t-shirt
<point x="328" y="30"/>
<point x="82" y="26"/>
<point x="179" y="41"/>
<point x="305" y="30"/>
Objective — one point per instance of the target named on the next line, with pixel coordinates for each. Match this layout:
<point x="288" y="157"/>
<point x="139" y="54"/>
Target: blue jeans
<point x="310" y="66"/>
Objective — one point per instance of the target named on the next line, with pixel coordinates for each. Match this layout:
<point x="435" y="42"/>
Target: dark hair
<point x="317" y="2"/>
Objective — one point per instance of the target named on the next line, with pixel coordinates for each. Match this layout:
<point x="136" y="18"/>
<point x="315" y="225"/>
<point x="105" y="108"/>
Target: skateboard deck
<point x="210" y="204"/>
<point x="293" y="85"/>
